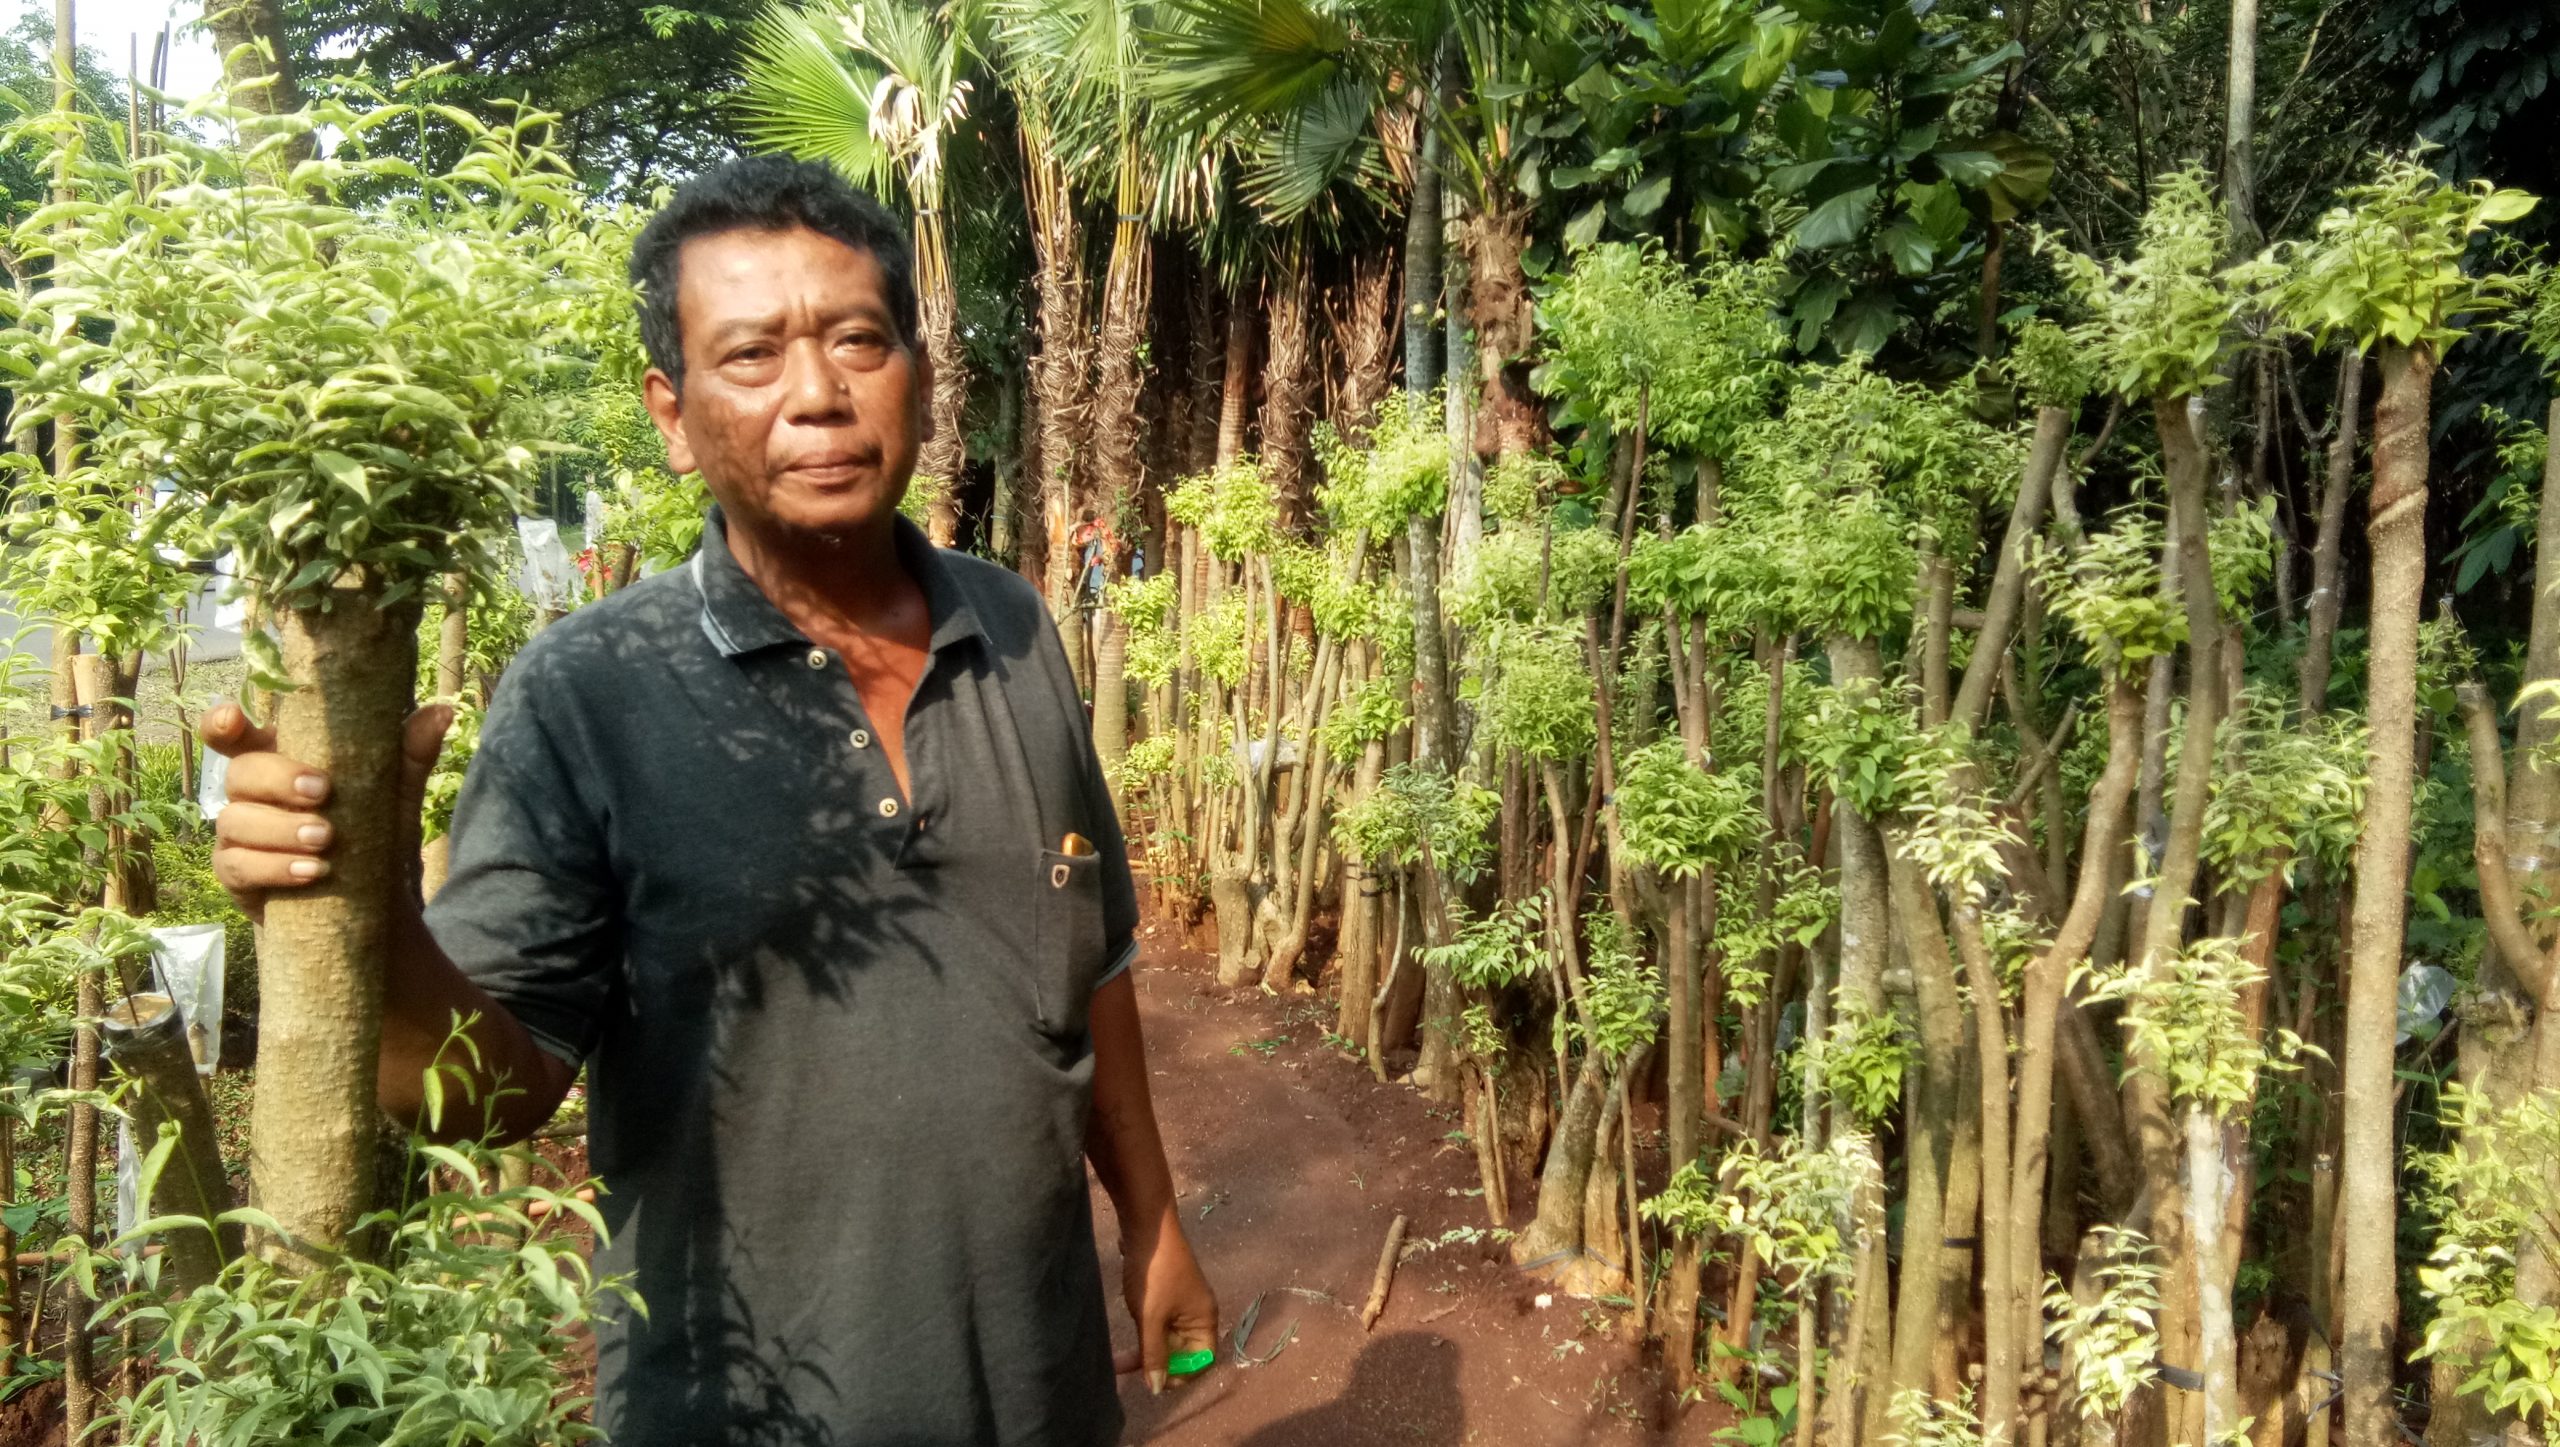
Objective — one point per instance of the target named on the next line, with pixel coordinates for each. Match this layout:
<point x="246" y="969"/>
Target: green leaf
<point x="1584" y="229"/>
<point x="1788" y="180"/>
<point x="343" y="471"/>
<point x="1970" y="168"/>
<point x="1837" y="220"/>
<point x="2500" y="207"/>
<point x="1648" y="197"/>
<point x="1909" y="246"/>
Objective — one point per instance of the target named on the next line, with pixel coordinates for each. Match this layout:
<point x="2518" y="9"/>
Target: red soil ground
<point x="1292" y="1162"/>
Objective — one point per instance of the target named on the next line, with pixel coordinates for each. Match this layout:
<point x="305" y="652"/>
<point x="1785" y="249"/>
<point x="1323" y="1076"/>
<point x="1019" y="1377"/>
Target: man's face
<point x="802" y="406"/>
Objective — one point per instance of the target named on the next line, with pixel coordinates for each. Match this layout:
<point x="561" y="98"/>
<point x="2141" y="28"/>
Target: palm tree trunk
<point x="946" y="450"/>
<point x="1498" y="298"/>
<point x="1119" y="371"/>
<point x="1058" y="374"/>
<point x="1288" y="380"/>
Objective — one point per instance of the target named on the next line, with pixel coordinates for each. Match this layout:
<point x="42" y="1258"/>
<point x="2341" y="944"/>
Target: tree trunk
<point x="1364" y="337"/>
<point x="2042" y="995"/>
<point x="2368" y="1306"/>
<point x="1288" y="383"/>
<point x="1555" y="1235"/>
<point x="2337" y="479"/>
<point x="2240" y="128"/>
<point x="1235" y="395"/>
<point x="1111" y="697"/>
<point x="322" y="950"/>
<point x="1119" y="373"/>
<point x="1059" y="372"/>
<point x="946" y="450"/>
<point x="453" y="657"/>
<point x="2008" y="581"/>
<point x="2155" y="1129"/>
<point x="1435" y="719"/>
<point x="1510" y="419"/>
<point x="256" y="62"/>
<point x="1422" y="361"/>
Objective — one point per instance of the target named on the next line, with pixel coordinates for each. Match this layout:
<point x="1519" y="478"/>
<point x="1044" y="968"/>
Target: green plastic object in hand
<point x="1190" y="1364"/>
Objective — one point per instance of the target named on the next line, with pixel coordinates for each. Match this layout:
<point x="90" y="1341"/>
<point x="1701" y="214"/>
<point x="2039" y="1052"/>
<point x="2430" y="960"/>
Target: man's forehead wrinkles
<point x="797" y="311"/>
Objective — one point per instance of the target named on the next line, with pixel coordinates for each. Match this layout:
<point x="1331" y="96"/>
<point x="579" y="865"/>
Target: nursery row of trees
<point x="1967" y="821"/>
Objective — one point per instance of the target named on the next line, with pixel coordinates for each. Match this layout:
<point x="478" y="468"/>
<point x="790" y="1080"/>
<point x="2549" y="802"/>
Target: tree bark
<point x="322" y="950"/>
<point x="1509" y="418"/>
<point x="2368" y="1306"/>
<point x="2336" y="481"/>
<point x="1288" y="383"/>
<point x="1059" y="372"/>
<point x="1111" y="696"/>
<point x="2008" y="579"/>
<point x="1422" y="360"/>
<point x="2240" y="128"/>
<point x="946" y="451"/>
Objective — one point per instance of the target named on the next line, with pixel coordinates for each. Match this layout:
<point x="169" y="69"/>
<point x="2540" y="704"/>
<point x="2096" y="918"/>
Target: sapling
<point x="2385" y="271"/>
<point x="349" y="400"/>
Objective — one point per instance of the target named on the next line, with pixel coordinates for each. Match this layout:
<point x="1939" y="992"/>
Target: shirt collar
<point x="739" y="619"/>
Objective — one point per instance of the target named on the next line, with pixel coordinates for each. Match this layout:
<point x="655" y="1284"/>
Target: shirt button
<point x="861" y="738"/>
<point x="888" y="808"/>
<point x="817" y="658"/>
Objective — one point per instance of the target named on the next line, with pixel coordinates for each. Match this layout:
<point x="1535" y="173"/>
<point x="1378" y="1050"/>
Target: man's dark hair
<point x="763" y="193"/>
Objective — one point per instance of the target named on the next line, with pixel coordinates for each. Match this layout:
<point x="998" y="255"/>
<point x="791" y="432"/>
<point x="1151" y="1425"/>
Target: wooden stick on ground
<point x="1386" y="1275"/>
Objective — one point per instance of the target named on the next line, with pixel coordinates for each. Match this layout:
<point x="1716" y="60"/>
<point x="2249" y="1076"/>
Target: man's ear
<point x="666" y="408"/>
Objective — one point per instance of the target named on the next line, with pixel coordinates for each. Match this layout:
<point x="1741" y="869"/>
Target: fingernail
<point x="307" y="869"/>
<point x="1155" y="1384"/>
<point x="311" y="786"/>
<point x="314" y="835"/>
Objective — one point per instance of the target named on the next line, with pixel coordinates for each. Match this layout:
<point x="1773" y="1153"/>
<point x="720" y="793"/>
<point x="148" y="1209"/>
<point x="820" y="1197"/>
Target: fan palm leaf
<point x="806" y="95"/>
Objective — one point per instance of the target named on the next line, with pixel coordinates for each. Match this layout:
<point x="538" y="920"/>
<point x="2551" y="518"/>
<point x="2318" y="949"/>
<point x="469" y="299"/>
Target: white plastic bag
<point x="190" y="958"/>
<point x="2424" y="992"/>
<point x="128" y="1178"/>
<point x="212" y="784"/>
<point x="550" y="576"/>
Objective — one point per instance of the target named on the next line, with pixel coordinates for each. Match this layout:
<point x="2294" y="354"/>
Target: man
<point x="802" y="850"/>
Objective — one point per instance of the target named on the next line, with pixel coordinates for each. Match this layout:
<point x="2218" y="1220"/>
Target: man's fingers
<point x="266" y="777"/>
<point x="421" y="741"/>
<point x="225" y="729"/>
<point x="1151" y="1349"/>
<point x="255" y="871"/>
<point x="268" y="829"/>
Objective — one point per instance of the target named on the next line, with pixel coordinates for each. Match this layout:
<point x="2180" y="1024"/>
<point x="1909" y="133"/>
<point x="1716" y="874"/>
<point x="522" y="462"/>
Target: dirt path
<point x="1292" y="1162"/>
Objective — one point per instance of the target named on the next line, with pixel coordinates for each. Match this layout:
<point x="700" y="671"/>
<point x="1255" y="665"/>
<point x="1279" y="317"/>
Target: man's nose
<point x="813" y="390"/>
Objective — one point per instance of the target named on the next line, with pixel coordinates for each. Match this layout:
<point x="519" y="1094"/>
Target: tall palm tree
<point x="1082" y="61"/>
<point x="879" y="89"/>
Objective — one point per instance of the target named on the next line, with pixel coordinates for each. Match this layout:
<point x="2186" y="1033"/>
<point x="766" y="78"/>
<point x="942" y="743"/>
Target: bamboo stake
<point x="1385" y="1277"/>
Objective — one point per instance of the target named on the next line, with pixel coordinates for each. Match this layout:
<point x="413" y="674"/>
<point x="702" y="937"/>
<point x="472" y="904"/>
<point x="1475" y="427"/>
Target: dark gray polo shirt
<point x="836" y="1037"/>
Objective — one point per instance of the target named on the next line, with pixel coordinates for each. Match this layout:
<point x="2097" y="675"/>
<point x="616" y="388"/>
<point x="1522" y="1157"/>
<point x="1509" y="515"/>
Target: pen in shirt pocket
<point x="1075" y="846"/>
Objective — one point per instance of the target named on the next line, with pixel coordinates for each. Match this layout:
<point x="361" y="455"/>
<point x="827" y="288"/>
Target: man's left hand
<point x="1169" y="1300"/>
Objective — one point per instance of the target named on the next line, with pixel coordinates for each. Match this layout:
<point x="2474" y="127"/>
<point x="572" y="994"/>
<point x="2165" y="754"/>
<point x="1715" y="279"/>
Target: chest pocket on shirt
<point x="1066" y="954"/>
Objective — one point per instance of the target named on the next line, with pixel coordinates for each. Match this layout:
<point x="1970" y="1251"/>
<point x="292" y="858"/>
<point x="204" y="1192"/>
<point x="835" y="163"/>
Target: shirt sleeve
<point x="530" y="910"/>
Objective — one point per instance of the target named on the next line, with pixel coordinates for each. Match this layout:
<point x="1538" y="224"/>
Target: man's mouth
<point x="831" y="467"/>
